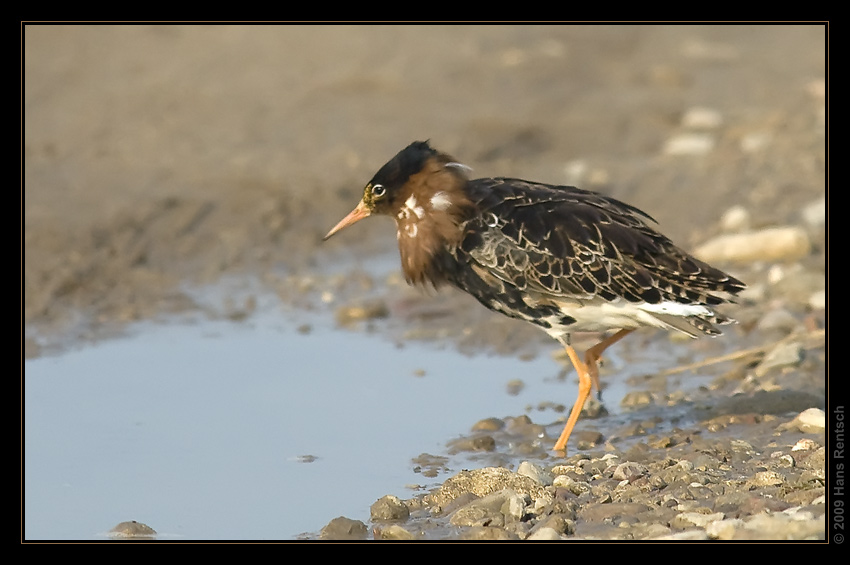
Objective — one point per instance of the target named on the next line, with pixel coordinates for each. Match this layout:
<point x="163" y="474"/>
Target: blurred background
<point x="162" y="154"/>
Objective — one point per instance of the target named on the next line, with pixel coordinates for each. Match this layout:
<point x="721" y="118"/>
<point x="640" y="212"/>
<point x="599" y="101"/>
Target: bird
<point x="563" y="258"/>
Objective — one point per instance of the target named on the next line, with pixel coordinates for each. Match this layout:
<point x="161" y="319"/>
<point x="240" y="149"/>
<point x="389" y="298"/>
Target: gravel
<point x="700" y="486"/>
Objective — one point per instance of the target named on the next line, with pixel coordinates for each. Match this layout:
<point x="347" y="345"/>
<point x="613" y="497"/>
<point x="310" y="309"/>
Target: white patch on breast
<point x="413" y="206"/>
<point x="440" y="201"/>
<point x="411" y="229"/>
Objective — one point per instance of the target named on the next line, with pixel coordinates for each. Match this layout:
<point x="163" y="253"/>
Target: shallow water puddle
<point x="253" y="429"/>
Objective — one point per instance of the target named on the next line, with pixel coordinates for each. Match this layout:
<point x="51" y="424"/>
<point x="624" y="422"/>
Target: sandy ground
<point x="160" y="155"/>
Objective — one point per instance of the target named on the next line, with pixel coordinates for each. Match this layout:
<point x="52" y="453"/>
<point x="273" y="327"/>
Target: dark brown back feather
<point x="564" y="241"/>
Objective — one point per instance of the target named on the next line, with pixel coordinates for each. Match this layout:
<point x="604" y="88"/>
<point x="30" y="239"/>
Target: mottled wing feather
<point x="564" y="242"/>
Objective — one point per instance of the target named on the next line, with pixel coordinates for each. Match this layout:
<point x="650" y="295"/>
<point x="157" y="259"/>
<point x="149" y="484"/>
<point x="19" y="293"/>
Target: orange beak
<point x="360" y="212"/>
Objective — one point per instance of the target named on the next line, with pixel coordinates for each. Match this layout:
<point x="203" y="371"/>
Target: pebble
<point x="690" y="519"/>
<point x="346" y="315"/>
<point x="689" y="144"/>
<point x="488" y="425"/>
<point x="724" y="529"/>
<point x="544" y="534"/>
<point x="766" y="478"/>
<point x="778" y="319"/>
<point x="342" y="528"/>
<point x="132" y="529"/>
<point x="815" y="213"/>
<point x="783" y="355"/>
<point x="487" y="533"/>
<point x="735" y="219"/>
<point x="394" y="532"/>
<point x="755" y="141"/>
<point x="636" y="398"/>
<point x="812" y="420"/>
<point x="817" y="300"/>
<point x="515" y="386"/>
<point x="784" y="243"/>
<point x="805" y="444"/>
<point x="629" y="471"/>
<point x="688" y="535"/>
<point x="482" y="482"/>
<point x="780" y="526"/>
<point x="535" y="472"/>
<point x="388" y="509"/>
<point x="700" y="117"/>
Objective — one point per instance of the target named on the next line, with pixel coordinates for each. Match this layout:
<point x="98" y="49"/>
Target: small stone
<point x="482" y="482"/>
<point x="487" y="533"/>
<point x="698" y="519"/>
<point x="755" y="141"/>
<point x="488" y="425"/>
<point x="588" y="439"/>
<point x="781" y="526"/>
<point x="561" y="523"/>
<point x="484" y="511"/>
<point x="778" y="319"/>
<point x="629" y="471"/>
<point x="544" y="534"/>
<point x="347" y="315"/>
<point x="514" y="507"/>
<point x="786" y="243"/>
<point x="815" y="213"/>
<point x="688" y="535"/>
<point x="812" y="420"/>
<point x="636" y="398"/>
<point x="783" y="355"/>
<point x="817" y="300"/>
<point x="395" y="532"/>
<point x="735" y="219"/>
<point x="515" y="386"/>
<point x="724" y="529"/>
<point x="535" y="472"/>
<point x="570" y="484"/>
<point x="689" y="144"/>
<point x="477" y="443"/>
<point x="700" y="117"/>
<point x="132" y="529"/>
<point x="389" y="509"/>
<point x="805" y="444"/>
<point x="342" y="528"/>
<point x="767" y="478"/>
<point x="523" y="426"/>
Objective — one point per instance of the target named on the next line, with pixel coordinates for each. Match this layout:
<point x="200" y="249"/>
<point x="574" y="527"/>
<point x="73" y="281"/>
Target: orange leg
<point x="588" y="376"/>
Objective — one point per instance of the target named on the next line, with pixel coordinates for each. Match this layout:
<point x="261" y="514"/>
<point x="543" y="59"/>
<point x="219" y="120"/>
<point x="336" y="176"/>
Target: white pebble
<point x="815" y="213"/>
<point x="817" y="301"/>
<point x="701" y="118"/>
<point x="689" y="144"/>
<point x="535" y="473"/>
<point x="544" y="534"/>
<point x="735" y="219"/>
<point x="813" y="417"/>
<point x="771" y="244"/>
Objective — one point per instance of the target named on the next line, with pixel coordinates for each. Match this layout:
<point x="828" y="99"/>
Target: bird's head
<point x="419" y="180"/>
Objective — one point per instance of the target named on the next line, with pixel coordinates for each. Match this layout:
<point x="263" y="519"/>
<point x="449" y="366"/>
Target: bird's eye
<point x="378" y="190"/>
